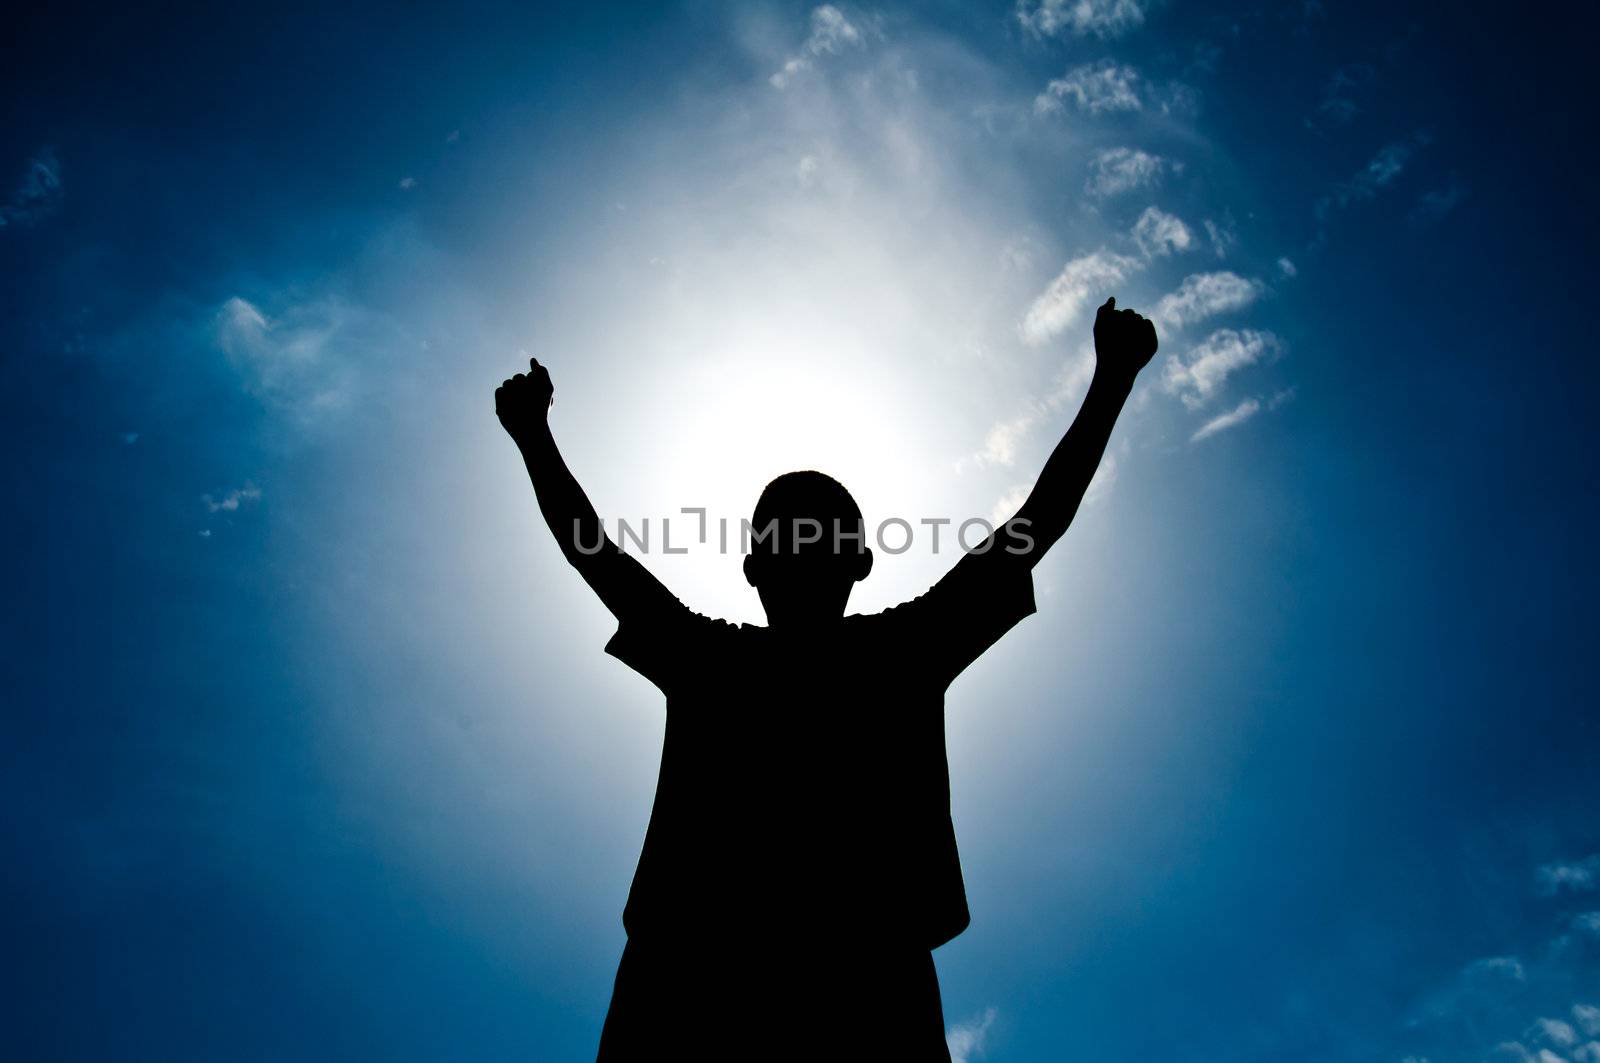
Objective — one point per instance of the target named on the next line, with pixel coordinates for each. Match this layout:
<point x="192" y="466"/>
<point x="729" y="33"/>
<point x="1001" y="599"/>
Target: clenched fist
<point x="1124" y="342"/>
<point x="523" y="402"/>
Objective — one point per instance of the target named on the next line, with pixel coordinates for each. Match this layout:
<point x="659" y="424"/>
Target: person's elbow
<point x="1021" y="537"/>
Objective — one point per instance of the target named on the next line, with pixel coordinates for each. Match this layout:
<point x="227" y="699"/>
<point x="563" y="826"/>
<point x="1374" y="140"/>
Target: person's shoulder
<point x="718" y="627"/>
<point x="886" y="620"/>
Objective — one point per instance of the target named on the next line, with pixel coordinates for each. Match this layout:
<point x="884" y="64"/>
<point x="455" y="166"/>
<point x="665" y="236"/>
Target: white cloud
<point x="831" y="32"/>
<point x="966" y="1040"/>
<point x="1108" y="87"/>
<point x="1199" y="375"/>
<point x="1287" y="268"/>
<point x="1105" y="87"/>
<point x="240" y="323"/>
<point x="1576" y="877"/>
<point x="1517" y="1052"/>
<point x="1553" y="1032"/>
<point x="1000" y="445"/>
<point x="1117" y="170"/>
<point x="1203" y="295"/>
<point x="1079" y="281"/>
<point x="407" y="183"/>
<point x="1098" y="18"/>
<point x="1495" y="967"/>
<point x="1587" y="1016"/>
<point x="37" y="195"/>
<point x="1159" y="233"/>
<point x="1233" y="418"/>
<point x="230" y="501"/>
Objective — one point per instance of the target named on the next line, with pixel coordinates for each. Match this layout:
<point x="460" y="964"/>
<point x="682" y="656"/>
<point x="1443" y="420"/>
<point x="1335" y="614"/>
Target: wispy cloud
<point x="1081" y="18"/>
<point x="231" y="501"/>
<point x="1495" y="967"/>
<point x="1365" y="184"/>
<point x="1436" y="203"/>
<point x="1114" y="171"/>
<point x="1106" y="87"/>
<point x="1555" y="1032"/>
<point x="1532" y="1004"/>
<point x="967" y="1040"/>
<point x="1109" y="87"/>
<point x="1159" y="233"/>
<point x="1288" y="268"/>
<point x="1579" y="876"/>
<point x="1008" y="503"/>
<point x="1079" y="281"/>
<point x="1223" y="236"/>
<point x="37" y="194"/>
<point x="291" y="359"/>
<point x="1232" y="419"/>
<point x="1004" y="440"/>
<point x="1104" y="478"/>
<point x="1340" y="93"/>
<point x="1001" y="442"/>
<point x="1203" y="295"/>
<point x="1019" y="253"/>
<point x="831" y="33"/>
<point x="1199" y="374"/>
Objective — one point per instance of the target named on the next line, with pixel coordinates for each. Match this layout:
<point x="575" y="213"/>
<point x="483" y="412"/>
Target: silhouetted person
<point x="800" y="863"/>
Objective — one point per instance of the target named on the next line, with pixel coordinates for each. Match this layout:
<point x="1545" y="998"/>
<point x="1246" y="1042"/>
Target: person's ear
<point x="864" y="566"/>
<point x="750" y="569"/>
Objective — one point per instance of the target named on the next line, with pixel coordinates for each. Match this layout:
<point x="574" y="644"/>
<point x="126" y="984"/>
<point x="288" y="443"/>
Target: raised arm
<point x="523" y="406"/>
<point x="1124" y="343"/>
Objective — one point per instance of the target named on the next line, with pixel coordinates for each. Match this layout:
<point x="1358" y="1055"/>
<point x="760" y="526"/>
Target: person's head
<point x="808" y="547"/>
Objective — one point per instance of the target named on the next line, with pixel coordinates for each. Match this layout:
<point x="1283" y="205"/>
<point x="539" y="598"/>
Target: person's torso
<point x="803" y="789"/>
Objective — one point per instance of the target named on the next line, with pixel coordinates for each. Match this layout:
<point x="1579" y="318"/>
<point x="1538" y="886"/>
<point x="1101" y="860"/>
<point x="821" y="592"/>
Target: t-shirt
<point x="804" y="790"/>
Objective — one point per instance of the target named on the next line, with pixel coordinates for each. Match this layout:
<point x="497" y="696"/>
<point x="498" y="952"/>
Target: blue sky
<point x="310" y="748"/>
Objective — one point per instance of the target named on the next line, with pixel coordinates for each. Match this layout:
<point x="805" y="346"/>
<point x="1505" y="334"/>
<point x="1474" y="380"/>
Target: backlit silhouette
<point x="800" y="863"/>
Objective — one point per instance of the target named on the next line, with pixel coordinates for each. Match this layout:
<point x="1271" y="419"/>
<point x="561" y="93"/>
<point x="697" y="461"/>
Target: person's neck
<point x="800" y="621"/>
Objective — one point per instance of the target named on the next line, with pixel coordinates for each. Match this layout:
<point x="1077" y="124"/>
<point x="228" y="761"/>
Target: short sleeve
<point x="664" y="640"/>
<point x="981" y="598"/>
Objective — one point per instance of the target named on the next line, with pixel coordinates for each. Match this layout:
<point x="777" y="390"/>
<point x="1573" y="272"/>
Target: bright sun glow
<point x="741" y="418"/>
